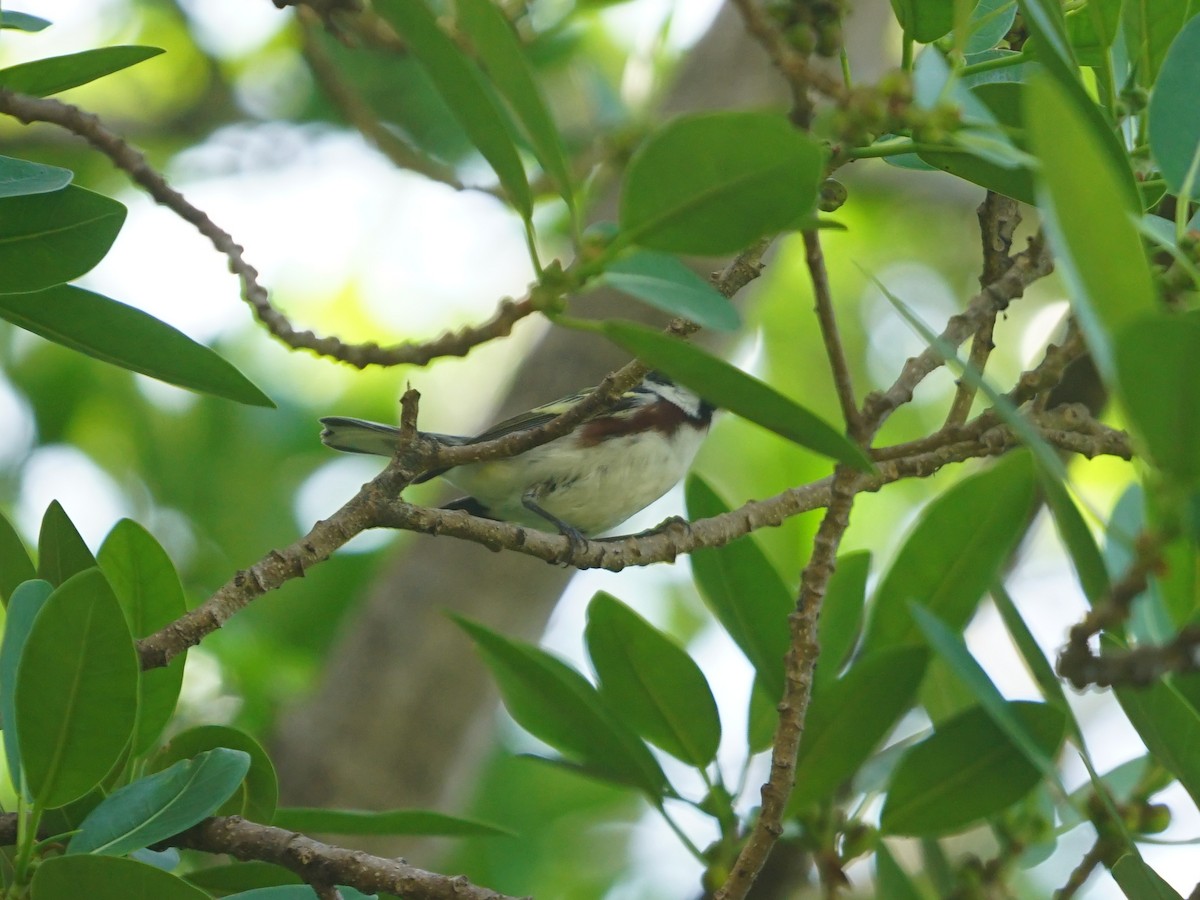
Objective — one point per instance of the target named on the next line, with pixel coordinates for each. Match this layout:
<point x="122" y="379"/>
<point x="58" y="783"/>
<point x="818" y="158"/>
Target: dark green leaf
<point x="879" y="688"/>
<point x="1046" y="22"/>
<point x="1175" y="136"/>
<point x="990" y="21"/>
<point x="76" y="691"/>
<point x="115" y="333"/>
<point x="61" y="551"/>
<point x="510" y="71"/>
<point x="462" y="87"/>
<point x="665" y="283"/>
<point x="1140" y="882"/>
<point x="1031" y="653"/>
<point x="1090" y="216"/>
<point x="657" y="687"/>
<point x="158" y="806"/>
<point x="924" y="21"/>
<point x="1150" y="27"/>
<point x="43" y="77"/>
<point x="15" y="564"/>
<point x="108" y="878"/>
<point x="1092" y="30"/>
<point x="743" y="590"/>
<point x="393" y="821"/>
<point x="842" y="612"/>
<point x="1170" y="728"/>
<point x="711" y="183"/>
<point x="761" y="718"/>
<point x="1158" y="368"/>
<point x="1076" y="537"/>
<point x="947" y="567"/>
<point x="258" y="794"/>
<point x="967" y="770"/>
<point x="891" y="881"/>
<point x="26" y="601"/>
<point x="19" y="178"/>
<point x="148" y="589"/>
<point x="730" y="388"/>
<point x="555" y="703"/>
<point x="20" y="21"/>
<point x="220" y="881"/>
<point x="46" y="239"/>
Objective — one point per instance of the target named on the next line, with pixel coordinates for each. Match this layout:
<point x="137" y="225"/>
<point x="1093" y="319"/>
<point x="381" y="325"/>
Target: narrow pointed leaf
<point x="462" y="87"/>
<point x="108" y="878"/>
<point x="76" y="691"/>
<point x="1140" y="882"/>
<point x="257" y="794"/>
<point x="743" y="590"/>
<point x="665" y="283"/>
<point x="727" y="387"/>
<point x="1076" y="537"/>
<point x="762" y="717"/>
<point x="19" y="177"/>
<point x="19" y="21"/>
<point x="842" y="612"/>
<point x="127" y="337"/>
<point x="711" y="183"/>
<point x="658" y="688"/>
<point x="15" y="564"/>
<point x="49" y="238"/>
<point x="26" y="601"/>
<point x="43" y="77"/>
<point x="158" y="806"/>
<point x="1033" y="657"/>
<point x="891" y="880"/>
<point x="387" y="822"/>
<point x="61" y="550"/>
<point x="1170" y="727"/>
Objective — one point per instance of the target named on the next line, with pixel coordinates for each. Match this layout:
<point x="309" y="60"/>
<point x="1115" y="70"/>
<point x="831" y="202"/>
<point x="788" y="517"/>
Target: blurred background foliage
<point x="234" y="114"/>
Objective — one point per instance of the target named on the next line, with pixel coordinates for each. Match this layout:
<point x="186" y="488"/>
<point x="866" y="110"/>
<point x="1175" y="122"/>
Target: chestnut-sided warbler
<point x="591" y="479"/>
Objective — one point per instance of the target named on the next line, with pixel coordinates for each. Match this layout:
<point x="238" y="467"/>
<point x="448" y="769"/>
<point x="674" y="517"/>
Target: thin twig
<point x="834" y="348"/>
<point x="1082" y="872"/>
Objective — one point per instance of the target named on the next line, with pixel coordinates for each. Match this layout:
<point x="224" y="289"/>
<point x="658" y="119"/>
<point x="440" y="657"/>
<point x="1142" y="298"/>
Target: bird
<point x="608" y="467"/>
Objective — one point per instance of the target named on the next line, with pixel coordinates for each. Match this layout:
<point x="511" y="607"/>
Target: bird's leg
<point x="576" y="542"/>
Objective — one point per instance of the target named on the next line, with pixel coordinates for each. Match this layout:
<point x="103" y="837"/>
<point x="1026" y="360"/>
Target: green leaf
<point x="967" y="770"/>
<point x="1174" y="135"/>
<point x="26" y="601"/>
<point x="1150" y="27"/>
<point x="148" y="589"/>
<point x="76" y="691"/>
<point x="107" y="878"/>
<point x="1031" y="654"/>
<point x="44" y="77"/>
<point x="711" y="183"/>
<point x="924" y="21"/>
<point x="1092" y="29"/>
<point x="123" y="336"/>
<point x="1047" y="24"/>
<point x="61" y="551"/>
<point x="20" y="21"/>
<point x="1076" y="537"/>
<point x="1169" y="726"/>
<point x="555" y="703"/>
<point x="255" y="799"/>
<point x="743" y="590"/>
<point x="657" y="687"/>
<point x="879" y="688"/>
<point x="462" y="87"/>
<point x="1158" y="369"/>
<point x="761" y="718"/>
<point x="511" y="73"/>
<point x="730" y="388"/>
<point x="891" y="881"/>
<point x="1140" y="882"/>
<point x="665" y="283"/>
<point x="989" y="22"/>
<point x="842" y="612"/>
<point x="15" y="564"/>
<point x="46" y="239"/>
<point x="158" y="806"/>
<point x="220" y="881"/>
<point x="947" y="567"/>
<point x="19" y="178"/>
<point x="388" y="822"/>
<point x="1084" y="199"/>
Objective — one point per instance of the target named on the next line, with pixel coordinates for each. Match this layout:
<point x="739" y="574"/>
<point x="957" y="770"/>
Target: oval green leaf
<point x="729" y="388"/>
<point x="76" y="691"/>
<point x="257" y="795"/>
<point x="46" y="239"/>
<point x="15" y="565"/>
<point x="108" y="878"/>
<point x="123" y="336"/>
<point x="743" y="590"/>
<point x="148" y="589"/>
<point x="61" y="550"/>
<point x="462" y="87"/>
<point x="387" y="822"/>
<point x="665" y="283"/>
<point x="658" y="688"/>
<point x="44" y="77"/>
<point x="710" y="184"/>
<point x="555" y="703"/>
<point x="947" y="567"/>
<point x="967" y="770"/>
<point x="27" y="600"/>
<point x="158" y="806"/>
<point x="924" y="21"/>
<point x="19" y="177"/>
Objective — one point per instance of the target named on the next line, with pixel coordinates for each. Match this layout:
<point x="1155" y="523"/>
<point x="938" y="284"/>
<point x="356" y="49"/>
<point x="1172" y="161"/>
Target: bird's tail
<point x="361" y="436"/>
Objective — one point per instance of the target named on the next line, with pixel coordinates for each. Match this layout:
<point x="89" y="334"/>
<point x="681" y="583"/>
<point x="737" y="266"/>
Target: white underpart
<point x="594" y="488"/>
